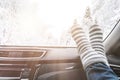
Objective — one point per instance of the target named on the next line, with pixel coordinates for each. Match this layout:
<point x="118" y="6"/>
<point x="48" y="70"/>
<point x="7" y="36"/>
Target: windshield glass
<point x="44" y="22"/>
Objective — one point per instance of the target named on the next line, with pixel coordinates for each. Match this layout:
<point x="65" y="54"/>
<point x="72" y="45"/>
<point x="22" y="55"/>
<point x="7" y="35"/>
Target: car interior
<point x="25" y="25"/>
<point x="112" y="48"/>
<point x="53" y="62"/>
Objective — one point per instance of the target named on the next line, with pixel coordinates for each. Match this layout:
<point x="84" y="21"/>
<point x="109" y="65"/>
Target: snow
<point x="21" y="22"/>
<point x="106" y="12"/>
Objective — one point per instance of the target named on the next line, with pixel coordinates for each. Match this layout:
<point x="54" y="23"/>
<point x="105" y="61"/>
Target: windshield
<point x="42" y="22"/>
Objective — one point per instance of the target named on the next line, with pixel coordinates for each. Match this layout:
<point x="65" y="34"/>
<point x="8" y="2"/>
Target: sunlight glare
<point x="42" y="20"/>
<point x="60" y="13"/>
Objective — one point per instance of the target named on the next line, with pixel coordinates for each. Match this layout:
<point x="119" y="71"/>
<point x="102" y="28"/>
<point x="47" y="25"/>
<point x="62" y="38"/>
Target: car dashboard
<point x="40" y="63"/>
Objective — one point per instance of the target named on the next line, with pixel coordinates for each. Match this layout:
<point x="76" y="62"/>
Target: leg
<point x="92" y="54"/>
<point x="87" y="54"/>
<point x="100" y="71"/>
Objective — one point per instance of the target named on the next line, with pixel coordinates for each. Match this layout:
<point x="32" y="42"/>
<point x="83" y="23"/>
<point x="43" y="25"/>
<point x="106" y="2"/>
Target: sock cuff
<point x="90" y="56"/>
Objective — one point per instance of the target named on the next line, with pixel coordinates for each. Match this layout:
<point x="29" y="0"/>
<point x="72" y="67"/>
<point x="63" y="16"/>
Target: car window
<point x="39" y="22"/>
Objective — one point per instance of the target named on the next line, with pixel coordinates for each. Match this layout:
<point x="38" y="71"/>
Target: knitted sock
<point x="96" y="39"/>
<point x="87" y="54"/>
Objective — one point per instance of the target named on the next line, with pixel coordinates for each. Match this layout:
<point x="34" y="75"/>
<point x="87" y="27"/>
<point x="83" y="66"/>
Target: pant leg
<point x="100" y="71"/>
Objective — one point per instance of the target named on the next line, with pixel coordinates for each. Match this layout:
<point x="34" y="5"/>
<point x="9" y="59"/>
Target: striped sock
<point x="96" y="39"/>
<point x="87" y="54"/>
<point x="80" y="38"/>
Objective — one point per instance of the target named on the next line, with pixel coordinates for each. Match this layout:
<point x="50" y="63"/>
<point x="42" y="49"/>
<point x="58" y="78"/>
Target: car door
<point x="112" y="46"/>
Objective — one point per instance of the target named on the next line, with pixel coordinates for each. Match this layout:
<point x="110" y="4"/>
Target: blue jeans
<point x="100" y="71"/>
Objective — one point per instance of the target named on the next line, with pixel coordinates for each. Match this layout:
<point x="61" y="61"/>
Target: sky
<point x="57" y="15"/>
<point x="60" y="14"/>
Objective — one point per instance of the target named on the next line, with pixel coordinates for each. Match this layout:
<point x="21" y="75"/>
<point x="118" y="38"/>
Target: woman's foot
<point x="87" y="54"/>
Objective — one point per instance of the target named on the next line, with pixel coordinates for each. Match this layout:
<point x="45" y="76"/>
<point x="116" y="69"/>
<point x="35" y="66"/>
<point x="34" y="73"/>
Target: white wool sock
<point x="96" y="40"/>
<point x="87" y="54"/>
